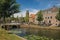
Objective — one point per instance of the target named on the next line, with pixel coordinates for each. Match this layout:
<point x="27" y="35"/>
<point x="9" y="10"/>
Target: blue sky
<point x="34" y="5"/>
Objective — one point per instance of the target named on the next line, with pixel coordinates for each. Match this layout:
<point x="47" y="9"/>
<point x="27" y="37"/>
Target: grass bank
<point x="5" y="36"/>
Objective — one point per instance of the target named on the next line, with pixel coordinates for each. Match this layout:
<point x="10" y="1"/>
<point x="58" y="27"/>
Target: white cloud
<point x="20" y="14"/>
<point x="17" y="14"/>
<point x="31" y="11"/>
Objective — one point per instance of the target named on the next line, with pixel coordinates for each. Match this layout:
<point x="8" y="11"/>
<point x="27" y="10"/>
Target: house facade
<point x="32" y="18"/>
<point x="49" y="17"/>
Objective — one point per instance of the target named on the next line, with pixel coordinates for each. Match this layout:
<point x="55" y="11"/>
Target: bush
<point x="34" y="37"/>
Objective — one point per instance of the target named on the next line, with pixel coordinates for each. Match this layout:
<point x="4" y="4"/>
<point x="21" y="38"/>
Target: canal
<point x="50" y="33"/>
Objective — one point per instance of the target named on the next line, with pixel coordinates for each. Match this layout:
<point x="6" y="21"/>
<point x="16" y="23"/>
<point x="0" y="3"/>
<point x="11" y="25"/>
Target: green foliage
<point x="8" y="7"/>
<point x="39" y="16"/>
<point x="27" y="16"/>
<point x="34" y="37"/>
<point x="22" y="19"/>
<point x="58" y="15"/>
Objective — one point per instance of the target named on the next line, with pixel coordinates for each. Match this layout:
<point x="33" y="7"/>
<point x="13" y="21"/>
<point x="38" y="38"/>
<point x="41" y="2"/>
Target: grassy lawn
<point x="5" y="36"/>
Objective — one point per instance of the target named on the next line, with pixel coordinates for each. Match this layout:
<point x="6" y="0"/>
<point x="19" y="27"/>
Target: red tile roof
<point x="32" y="15"/>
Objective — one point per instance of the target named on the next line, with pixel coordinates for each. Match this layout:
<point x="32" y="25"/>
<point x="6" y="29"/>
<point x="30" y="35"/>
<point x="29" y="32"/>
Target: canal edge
<point x="20" y="37"/>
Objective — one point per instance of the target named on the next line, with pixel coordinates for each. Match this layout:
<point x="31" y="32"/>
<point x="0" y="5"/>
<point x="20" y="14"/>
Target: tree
<point x="12" y="17"/>
<point x="8" y="8"/>
<point x="22" y="19"/>
<point x="58" y="16"/>
<point x="27" y="16"/>
<point x="39" y="16"/>
<point x="1" y="8"/>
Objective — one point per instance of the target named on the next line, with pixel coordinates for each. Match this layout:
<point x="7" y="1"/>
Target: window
<point x="51" y="17"/>
<point x="48" y="17"/>
<point x="56" y="24"/>
<point x="49" y="21"/>
<point x="45" y="17"/>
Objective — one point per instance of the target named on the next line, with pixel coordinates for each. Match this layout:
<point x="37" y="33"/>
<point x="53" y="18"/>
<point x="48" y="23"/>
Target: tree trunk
<point x="3" y="19"/>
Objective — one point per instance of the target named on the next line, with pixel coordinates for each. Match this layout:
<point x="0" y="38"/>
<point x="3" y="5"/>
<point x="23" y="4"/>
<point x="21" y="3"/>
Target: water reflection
<point x="50" y="33"/>
<point x="19" y="32"/>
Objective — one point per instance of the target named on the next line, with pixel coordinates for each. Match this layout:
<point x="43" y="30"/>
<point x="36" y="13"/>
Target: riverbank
<point x="39" y="27"/>
<point x="4" y="35"/>
<point x="49" y="32"/>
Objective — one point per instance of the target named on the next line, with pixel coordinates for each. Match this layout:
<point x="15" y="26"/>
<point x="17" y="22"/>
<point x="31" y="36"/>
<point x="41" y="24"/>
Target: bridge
<point x="9" y="26"/>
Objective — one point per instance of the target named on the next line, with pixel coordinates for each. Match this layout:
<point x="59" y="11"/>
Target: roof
<point x="53" y="9"/>
<point x="32" y="15"/>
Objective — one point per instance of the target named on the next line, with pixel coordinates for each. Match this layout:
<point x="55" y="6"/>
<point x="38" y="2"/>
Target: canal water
<point x="19" y="32"/>
<point x="50" y="33"/>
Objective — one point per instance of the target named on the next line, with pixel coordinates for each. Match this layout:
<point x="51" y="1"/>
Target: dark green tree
<point x="22" y="19"/>
<point x="58" y="16"/>
<point x="27" y="16"/>
<point x="39" y="16"/>
<point x="8" y="8"/>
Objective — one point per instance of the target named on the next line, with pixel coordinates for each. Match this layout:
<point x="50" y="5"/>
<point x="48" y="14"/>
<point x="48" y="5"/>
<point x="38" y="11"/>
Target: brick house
<point x="48" y="17"/>
<point x="32" y="18"/>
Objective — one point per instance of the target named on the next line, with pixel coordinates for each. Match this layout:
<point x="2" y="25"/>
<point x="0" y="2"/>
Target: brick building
<point x="32" y="18"/>
<point x="49" y="16"/>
